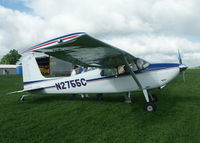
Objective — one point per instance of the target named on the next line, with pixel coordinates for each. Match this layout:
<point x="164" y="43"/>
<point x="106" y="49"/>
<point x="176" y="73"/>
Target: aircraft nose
<point x="182" y="67"/>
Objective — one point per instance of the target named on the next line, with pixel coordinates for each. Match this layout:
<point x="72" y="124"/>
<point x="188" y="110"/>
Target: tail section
<point x="31" y="71"/>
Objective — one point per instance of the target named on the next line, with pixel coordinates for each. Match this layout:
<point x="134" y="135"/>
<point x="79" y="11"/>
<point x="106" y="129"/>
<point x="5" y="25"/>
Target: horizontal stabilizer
<point x="26" y="90"/>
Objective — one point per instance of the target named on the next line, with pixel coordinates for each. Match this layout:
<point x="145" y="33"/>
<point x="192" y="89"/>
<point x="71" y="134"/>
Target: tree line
<point x="11" y="58"/>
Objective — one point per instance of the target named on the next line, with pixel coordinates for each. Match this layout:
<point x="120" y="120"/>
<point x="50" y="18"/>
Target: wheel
<point x="153" y="98"/>
<point x="150" y="107"/>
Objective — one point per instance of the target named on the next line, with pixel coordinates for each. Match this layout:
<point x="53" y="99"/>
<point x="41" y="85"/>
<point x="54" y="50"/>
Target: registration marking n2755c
<point x="71" y="84"/>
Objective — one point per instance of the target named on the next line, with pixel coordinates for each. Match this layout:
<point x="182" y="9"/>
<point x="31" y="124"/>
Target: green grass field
<point x="57" y="118"/>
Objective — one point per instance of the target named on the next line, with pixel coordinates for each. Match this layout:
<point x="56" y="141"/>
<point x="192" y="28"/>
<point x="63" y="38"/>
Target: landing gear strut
<point x="149" y="106"/>
<point x="152" y="98"/>
<point x="22" y="97"/>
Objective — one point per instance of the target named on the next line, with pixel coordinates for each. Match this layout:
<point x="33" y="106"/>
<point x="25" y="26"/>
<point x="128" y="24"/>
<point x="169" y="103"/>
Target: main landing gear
<point x="150" y="106"/>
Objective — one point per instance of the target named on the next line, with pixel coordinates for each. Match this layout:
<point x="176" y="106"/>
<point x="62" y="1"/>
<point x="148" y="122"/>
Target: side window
<point x="133" y="66"/>
<point x="121" y="69"/>
<point x="108" y="72"/>
<point x="137" y="64"/>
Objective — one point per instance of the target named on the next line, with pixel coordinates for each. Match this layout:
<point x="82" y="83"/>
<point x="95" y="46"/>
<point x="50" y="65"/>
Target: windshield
<point x="141" y="64"/>
<point x="138" y="64"/>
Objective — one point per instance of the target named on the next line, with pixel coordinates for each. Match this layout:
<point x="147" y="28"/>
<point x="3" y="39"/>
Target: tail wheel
<point x="150" y="107"/>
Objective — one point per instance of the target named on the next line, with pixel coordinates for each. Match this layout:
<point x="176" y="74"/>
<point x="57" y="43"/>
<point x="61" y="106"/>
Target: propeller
<point x="179" y="57"/>
<point x="182" y="67"/>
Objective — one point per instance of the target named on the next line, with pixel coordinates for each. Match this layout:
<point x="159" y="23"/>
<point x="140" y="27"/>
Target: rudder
<point x="31" y="71"/>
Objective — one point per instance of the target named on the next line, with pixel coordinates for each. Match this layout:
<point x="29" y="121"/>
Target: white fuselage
<point x="93" y="82"/>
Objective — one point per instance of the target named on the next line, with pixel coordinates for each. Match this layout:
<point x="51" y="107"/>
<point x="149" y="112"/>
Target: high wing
<point x="82" y="49"/>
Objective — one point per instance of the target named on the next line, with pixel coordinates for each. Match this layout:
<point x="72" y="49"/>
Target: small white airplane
<point x="82" y="49"/>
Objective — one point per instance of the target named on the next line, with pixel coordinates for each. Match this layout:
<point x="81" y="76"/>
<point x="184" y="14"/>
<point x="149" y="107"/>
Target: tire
<point x="150" y="107"/>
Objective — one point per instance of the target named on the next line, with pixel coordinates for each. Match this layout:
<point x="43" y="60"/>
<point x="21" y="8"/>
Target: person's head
<point x="85" y="69"/>
<point x="75" y="67"/>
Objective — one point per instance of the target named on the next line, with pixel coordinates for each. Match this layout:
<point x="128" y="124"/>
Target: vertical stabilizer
<point x="31" y="71"/>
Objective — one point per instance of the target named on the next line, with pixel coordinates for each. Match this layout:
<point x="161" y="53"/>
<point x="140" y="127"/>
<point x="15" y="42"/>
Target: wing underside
<point x="84" y="50"/>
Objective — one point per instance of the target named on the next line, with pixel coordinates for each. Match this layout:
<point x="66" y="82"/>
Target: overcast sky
<point x="152" y="29"/>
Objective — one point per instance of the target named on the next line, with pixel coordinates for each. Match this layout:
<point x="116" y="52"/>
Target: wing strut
<point x="145" y="92"/>
<point x="132" y="72"/>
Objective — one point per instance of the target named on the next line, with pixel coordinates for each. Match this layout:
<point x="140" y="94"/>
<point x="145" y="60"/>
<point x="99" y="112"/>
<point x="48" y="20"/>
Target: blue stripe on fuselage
<point x="158" y="66"/>
<point x="30" y="82"/>
<point x="150" y="68"/>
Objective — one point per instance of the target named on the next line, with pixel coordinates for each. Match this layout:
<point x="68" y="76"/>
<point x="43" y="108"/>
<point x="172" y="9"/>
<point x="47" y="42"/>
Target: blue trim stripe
<point x="40" y="88"/>
<point x="107" y="77"/>
<point x="158" y="66"/>
<point x="30" y="82"/>
<point x="49" y="87"/>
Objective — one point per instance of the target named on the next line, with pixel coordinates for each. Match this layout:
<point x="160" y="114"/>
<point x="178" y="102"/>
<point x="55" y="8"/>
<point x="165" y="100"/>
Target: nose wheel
<point x="150" y="107"/>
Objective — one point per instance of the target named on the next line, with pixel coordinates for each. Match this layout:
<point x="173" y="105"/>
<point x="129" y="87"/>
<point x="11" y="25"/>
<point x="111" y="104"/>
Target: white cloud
<point x="176" y="17"/>
<point x="151" y="29"/>
<point x="18" y="30"/>
<point x="96" y="17"/>
<point x="159" y="48"/>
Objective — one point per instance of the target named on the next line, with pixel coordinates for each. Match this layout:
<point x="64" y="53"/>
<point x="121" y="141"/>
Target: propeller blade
<point x="182" y="67"/>
<point x="179" y="57"/>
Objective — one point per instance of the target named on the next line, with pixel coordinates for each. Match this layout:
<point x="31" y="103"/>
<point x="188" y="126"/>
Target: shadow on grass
<point x="76" y="98"/>
<point x="138" y="100"/>
<point x="169" y="108"/>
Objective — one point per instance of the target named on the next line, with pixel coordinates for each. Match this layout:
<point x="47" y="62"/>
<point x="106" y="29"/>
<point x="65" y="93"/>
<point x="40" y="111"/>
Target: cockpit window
<point x="108" y="72"/>
<point x="137" y="64"/>
<point x="141" y="64"/>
